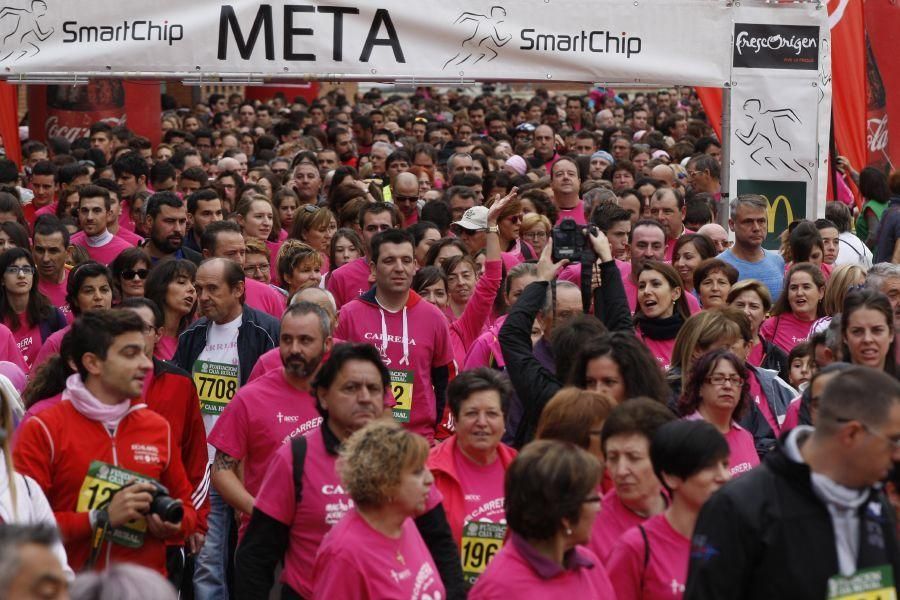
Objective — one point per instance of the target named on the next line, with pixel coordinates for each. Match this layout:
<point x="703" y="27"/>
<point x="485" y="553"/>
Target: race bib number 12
<point x="216" y="385"/>
<point x="402" y="388"/>
<point x="876" y="583"/>
<point x="102" y="481"/>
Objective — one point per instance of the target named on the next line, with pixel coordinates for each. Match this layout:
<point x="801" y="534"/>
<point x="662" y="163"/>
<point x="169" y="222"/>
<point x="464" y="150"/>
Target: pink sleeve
<point x="768" y="328"/>
<point x="471" y="323"/>
<point x="337" y="577"/>
<point x="792" y="417"/>
<point x="341" y="330"/>
<point x="229" y="434"/>
<point x="12" y="353"/>
<point x="49" y="348"/>
<point x="479" y="354"/>
<point x="443" y="349"/>
<point x="334" y="286"/>
<point x="571" y="273"/>
<point x="276" y="495"/>
<point x="624" y="567"/>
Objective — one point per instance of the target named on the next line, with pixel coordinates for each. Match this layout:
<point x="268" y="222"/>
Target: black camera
<point x="168" y="508"/>
<point x="570" y="241"/>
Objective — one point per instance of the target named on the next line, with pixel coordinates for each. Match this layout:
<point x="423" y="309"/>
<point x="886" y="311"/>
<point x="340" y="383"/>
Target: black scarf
<point x="660" y="329"/>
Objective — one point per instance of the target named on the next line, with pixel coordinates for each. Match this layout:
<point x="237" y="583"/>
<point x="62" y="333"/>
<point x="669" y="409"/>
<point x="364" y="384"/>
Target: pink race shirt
<point x="614" y="520"/>
<point x="660" y="349"/>
<point x="786" y="330"/>
<point x="485" y="351"/>
<point x="356" y="561"/>
<point x="129" y="236"/>
<point x="28" y="340"/>
<point x="427" y="343"/>
<point x="576" y="214"/>
<point x="484" y="524"/>
<point x="755" y="357"/>
<point x="260" y="418"/>
<point x="9" y="348"/>
<point x="269" y="361"/>
<point x="517" y="573"/>
<point x="56" y="292"/>
<point x="102" y="254"/>
<point x="666" y="571"/>
<point x="165" y="347"/>
<point x="741" y="448"/>
<point x="349" y="281"/>
<point x="50" y="346"/>
<point x="265" y="298"/>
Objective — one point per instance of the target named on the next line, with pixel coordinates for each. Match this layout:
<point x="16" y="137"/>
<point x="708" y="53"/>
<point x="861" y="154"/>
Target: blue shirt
<point x="769" y="270"/>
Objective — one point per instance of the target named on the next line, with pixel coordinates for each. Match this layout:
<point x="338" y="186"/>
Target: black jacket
<point x="266" y="541"/>
<point x="257" y="335"/>
<point x="534" y="384"/>
<point x="775" y="359"/>
<point x="767" y="535"/>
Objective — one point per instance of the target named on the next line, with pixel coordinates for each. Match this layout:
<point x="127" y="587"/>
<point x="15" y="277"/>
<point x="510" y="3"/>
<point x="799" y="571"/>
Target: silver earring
<point x="568" y="531"/>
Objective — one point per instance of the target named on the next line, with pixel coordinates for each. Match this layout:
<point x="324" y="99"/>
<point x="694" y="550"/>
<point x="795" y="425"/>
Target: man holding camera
<point x="105" y="461"/>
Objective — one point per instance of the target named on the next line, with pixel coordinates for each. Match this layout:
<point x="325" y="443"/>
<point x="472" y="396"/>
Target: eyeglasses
<point x="260" y="268"/>
<point x="894" y="442"/>
<point x="720" y="380"/>
<point x="132" y="273"/>
<point x="20" y="270"/>
<point x="535" y="235"/>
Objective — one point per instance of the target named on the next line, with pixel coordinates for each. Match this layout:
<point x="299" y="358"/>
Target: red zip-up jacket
<point x="172" y="394"/>
<point x="56" y="448"/>
<point x="440" y="462"/>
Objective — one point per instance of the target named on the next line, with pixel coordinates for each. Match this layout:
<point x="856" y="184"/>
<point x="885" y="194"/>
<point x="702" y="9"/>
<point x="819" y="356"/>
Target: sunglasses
<point x="131" y="273"/>
<point x="310" y="208"/>
<point x="399" y="198"/>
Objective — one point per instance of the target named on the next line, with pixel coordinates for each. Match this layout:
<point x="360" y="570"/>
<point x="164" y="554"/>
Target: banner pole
<point x="724" y="208"/>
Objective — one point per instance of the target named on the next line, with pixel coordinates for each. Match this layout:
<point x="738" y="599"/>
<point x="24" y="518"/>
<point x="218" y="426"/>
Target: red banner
<point x="848" y="67"/>
<point x="882" y="19"/>
<point x="9" y="122"/>
<point x="711" y="99"/>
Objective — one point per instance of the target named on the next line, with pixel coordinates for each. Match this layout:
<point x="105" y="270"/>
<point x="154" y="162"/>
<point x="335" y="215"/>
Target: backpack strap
<point x="646" y="554"/>
<point x="298" y="454"/>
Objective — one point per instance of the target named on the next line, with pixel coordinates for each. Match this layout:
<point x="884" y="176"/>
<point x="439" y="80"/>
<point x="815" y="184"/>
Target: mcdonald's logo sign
<point x="785" y="202"/>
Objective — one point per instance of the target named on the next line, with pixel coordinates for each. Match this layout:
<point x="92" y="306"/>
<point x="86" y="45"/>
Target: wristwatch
<point x="493" y="229"/>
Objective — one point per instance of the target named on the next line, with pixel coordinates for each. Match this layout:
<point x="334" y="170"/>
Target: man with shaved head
<point x="718" y="235"/>
<point x="406" y="196"/>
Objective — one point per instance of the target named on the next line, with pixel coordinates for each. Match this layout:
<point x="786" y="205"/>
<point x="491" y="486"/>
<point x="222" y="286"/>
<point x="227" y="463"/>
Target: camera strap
<point x="99" y="534"/>
<point x="588" y="258"/>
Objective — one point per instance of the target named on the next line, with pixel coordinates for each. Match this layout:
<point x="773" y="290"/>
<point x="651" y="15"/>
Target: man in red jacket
<point x="100" y="456"/>
<point x="170" y="392"/>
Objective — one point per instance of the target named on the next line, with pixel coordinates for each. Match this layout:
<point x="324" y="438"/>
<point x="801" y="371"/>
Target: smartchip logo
<point x="75" y="32"/>
<point x="23" y="30"/>
<point x="759" y="46"/>
<point x="486" y="34"/>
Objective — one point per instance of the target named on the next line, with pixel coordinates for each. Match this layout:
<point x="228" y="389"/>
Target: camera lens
<point x="167" y="508"/>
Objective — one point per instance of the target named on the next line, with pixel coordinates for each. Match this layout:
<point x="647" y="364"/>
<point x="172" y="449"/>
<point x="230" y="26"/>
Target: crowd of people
<point x="438" y="346"/>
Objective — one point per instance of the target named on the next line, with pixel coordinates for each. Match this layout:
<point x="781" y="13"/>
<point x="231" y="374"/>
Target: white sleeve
<point x="39" y="511"/>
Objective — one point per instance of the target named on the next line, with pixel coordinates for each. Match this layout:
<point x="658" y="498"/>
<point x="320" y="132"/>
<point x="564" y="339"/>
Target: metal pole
<point x="724" y="208"/>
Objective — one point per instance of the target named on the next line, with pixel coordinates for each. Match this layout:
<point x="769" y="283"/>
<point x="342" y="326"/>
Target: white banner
<point x="616" y="41"/>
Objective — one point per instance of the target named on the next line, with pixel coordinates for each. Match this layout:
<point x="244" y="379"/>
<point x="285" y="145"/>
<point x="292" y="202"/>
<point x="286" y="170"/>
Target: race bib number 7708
<point x="216" y="385"/>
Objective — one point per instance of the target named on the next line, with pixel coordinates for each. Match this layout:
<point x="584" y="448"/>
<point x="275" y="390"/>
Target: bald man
<point x="406" y="197"/>
<point x="664" y="173"/>
<point x="718" y="235"/>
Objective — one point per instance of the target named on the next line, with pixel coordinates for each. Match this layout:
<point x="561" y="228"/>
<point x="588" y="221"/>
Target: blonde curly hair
<point x="375" y="458"/>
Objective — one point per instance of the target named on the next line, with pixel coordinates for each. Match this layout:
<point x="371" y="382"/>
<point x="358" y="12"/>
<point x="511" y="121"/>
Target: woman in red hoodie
<point x="469" y="468"/>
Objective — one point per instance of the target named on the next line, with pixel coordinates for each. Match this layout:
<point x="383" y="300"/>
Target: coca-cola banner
<point x="780" y="111"/>
<point x="883" y="70"/>
<point x="69" y="111"/>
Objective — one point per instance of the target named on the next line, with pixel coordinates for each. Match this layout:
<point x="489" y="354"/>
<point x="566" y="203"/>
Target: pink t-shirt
<point x="471" y="323"/>
<point x="512" y="575"/>
<point x="428" y="344"/>
<point x="166" y="347"/>
<point x="741" y="448"/>
<point x="356" y="561"/>
<point x="666" y="571"/>
<point x="102" y="254"/>
<point x="576" y="214"/>
<point x="56" y="292"/>
<point x="264" y="298"/>
<point x="349" y="281"/>
<point x="670" y="243"/>
<point x="614" y="520"/>
<point x="49" y="209"/>
<point x="28" y="340"/>
<point x="269" y="361"/>
<point x="792" y="416"/>
<point x="756" y="355"/>
<point x="485" y="351"/>
<point x="762" y="404"/>
<point x="129" y="236"/>
<point x="261" y="417"/>
<point x="50" y="346"/>
<point x="660" y="349"/>
<point x="483" y="497"/>
<point x="9" y="348"/>
<point x="786" y="330"/>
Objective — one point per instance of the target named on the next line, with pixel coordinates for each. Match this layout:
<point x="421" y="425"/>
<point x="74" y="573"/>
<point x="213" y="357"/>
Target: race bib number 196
<point x="480" y="542"/>
<point x="102" y="481"/>
<point x="876" y="583"/>
<point x="216" y="385"/>
<point x="402" y="388"/>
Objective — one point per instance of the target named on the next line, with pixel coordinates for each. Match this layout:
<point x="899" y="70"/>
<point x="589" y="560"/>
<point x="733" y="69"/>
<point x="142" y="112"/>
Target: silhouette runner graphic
<point x="767" y="143"/>
<point x="485" y="40"/>
<point x="20" y="29"/>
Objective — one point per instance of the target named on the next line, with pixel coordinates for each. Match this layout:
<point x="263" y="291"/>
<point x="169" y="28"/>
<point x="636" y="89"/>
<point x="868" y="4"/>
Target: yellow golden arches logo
<point x="772" y="210"/>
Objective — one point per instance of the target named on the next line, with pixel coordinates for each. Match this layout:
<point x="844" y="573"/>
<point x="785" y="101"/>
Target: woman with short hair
<point x="577" y="416"/>
<point x="130" y="270"/>
<point x="551" y="506"/>
<point x="753" y="298"/>
<point x="470" y="466"/>
<point x="712" y="282"/>
<point x="375" y="551"/>
<point x="690" y="458"/>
